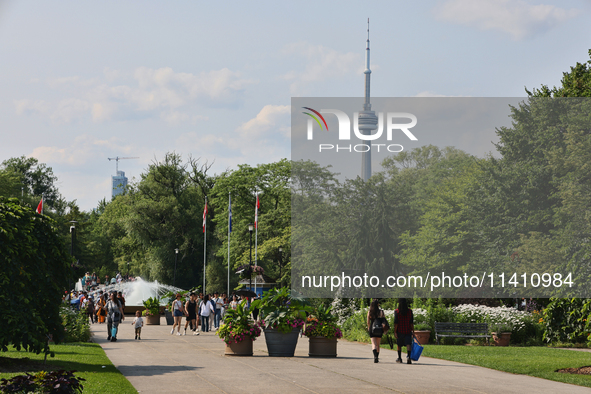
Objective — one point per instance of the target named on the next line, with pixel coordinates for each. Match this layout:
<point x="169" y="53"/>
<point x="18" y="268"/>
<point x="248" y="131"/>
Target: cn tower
<point x="367" y="118"/>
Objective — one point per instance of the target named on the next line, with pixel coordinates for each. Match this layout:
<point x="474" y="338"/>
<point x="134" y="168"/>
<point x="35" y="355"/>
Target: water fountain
<point x="135" y="292"/>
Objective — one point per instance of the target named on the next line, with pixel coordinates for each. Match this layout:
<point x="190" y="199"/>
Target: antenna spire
<point x="367" y="29"/>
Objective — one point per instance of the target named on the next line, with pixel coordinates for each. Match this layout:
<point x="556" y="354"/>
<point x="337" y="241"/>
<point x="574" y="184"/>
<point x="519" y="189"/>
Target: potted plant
<point x="322" y="332"/>
<point x="238" y="331"/>
<point x="283" y="318"/>
<point x="423" y="333"/>
<point x="152" y="311"/>
<point x="501" y="333"/>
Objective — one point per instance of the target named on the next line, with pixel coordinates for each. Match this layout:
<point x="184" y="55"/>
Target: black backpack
<point x="376" y="326"/>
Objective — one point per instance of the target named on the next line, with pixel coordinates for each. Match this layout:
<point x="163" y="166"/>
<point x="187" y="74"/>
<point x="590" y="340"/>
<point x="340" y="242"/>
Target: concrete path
<point x="163" y="363"/>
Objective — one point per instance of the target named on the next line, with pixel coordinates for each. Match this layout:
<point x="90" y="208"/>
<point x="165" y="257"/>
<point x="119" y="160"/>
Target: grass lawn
<point x="541" y="362"/>
<point x="89" y="359"/>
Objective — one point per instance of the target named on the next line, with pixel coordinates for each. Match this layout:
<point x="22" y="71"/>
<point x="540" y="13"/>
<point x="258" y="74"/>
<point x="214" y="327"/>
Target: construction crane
<point x="117" y="162"/>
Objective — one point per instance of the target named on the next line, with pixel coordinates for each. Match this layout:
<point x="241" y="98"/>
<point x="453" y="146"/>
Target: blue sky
<point x="83" y="81"/>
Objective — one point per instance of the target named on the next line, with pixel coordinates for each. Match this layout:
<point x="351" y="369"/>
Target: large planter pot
<point x="280" y="344"/>
<point x="243" y="348"/>
<point x="423" y="336"/>
<point x="502" y="339"/>
<point x="153" y="320"/>
<point x="169" y="318"/>
<point x="322" y="347"/>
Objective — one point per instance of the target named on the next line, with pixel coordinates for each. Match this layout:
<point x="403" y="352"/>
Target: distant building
<point x="119" y="183"/>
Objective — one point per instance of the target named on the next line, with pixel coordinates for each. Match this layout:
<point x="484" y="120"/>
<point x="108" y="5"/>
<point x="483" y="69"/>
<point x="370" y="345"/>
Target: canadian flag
<point x="204" y="215"/>
<point x="40" y="206"/>
<point x="256" y="212"/>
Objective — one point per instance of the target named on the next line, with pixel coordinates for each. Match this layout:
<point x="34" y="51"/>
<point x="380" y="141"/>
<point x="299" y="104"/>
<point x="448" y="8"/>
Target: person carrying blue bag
<point x="404" y="329"/>
<point x="114" y="316"/>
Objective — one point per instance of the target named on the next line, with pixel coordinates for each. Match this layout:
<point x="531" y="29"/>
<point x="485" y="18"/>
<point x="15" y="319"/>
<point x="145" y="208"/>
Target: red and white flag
<point x="40" y="206"/>
<point x="256" y="212"/>
<point x="204" y="215"/>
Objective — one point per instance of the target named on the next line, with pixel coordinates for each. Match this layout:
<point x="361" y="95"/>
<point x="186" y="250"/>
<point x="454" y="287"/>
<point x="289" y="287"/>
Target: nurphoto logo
<point x="362" y="128"/>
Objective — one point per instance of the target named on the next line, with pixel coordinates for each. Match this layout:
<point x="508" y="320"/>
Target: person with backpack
<point x="114" y="316"/>
<point x="404" y="329"/>
<point x="90" y="309"/>
<point x="377" y="325"/>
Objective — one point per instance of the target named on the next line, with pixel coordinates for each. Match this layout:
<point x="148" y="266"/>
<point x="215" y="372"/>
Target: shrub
<point x="44" y="382"/>
<point x="567" y="320"/>
<point x="76" y="325"/>
<point x="355" y="327"/>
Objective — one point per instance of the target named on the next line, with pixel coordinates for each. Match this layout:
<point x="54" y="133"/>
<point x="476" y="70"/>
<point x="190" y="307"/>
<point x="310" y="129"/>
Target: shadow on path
<point x="153" y="370"/>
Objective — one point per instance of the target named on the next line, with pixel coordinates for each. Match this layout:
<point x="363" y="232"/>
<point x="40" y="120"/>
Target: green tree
<point x="37" y="178"/>
<point x="35" y="272"/>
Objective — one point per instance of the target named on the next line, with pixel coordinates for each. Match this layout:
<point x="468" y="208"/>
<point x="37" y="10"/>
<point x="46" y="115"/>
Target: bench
<point x="461" y="330"/>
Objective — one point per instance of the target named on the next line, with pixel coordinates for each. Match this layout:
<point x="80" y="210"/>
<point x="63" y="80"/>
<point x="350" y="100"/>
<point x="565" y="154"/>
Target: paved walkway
<point x="162" y="363"/>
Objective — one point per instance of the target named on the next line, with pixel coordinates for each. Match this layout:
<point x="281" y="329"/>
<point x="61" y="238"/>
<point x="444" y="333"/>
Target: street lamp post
<point x="72" y="231"/>
<point x="176" y="255"/>
<point x="280" y="265"/>
<point x="250" y="228"/>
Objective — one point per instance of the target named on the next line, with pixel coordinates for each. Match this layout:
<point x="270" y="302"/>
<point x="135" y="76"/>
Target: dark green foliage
<point x="45" y="382"/>
<point x="35" y="271"/>
<point x="567" y="320"/>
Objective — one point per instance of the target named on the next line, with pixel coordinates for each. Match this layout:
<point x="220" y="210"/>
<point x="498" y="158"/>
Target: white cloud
<point x="272" y="118"/>
<point x="518" y="18"/>
<point x="82" y="149"/>
<point x="159" y="93"/>
<point x="322" y="63"/>
<point x="264" y="138"/>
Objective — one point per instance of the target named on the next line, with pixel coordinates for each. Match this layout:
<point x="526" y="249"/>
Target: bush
<point x="76" y="326"/>
<point x="567" y="320"/>
<point x="43" y="382"/>
<point x="355" y="327"/>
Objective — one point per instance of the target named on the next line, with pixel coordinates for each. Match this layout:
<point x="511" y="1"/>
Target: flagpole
<point x="229" y="232"/>
<point x="204" y="243"/>
<point x="256" y="233"/>
<point x="42" y="205"/>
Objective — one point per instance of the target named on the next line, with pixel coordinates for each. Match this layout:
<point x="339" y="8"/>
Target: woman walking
<point x="191" y="319"/>
<point x="101" y="312"/>
<point x="177" y="312"/>
<point x="377" y="325"/>
<point x="205" y="311"/>
<point x="404" y="329"/>
<point x="114" y="316"/>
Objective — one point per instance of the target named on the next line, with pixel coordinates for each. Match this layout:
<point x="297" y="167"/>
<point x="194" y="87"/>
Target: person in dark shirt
<point x="377" y="325"/>
<point x="404" y="329"/>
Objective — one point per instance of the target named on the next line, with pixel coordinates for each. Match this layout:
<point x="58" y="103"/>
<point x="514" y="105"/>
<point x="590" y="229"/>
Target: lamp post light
<point x="250" y="229"/>
<point x="280" y="266"/>
<point x="176" y="255"/>
<point x="72" y="232"/>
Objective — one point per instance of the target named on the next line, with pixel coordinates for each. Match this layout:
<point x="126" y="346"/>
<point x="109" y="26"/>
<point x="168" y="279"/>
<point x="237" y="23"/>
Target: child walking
<point x="138" y="323"/>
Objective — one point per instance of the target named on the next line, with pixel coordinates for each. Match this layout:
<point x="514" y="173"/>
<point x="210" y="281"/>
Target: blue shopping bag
<point x="114" y="332"/>
<point x="416" y="349"/>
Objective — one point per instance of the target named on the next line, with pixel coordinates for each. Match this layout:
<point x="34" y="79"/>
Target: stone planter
<point x="169" y="318"/>
<point x="502" y="339"/>
<point x="280" y="344"/>
<point x="243" y="348"/>
<point x="153" y="320"/>
<point x="423" y="336"/>
<point x="322" y="347"/>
